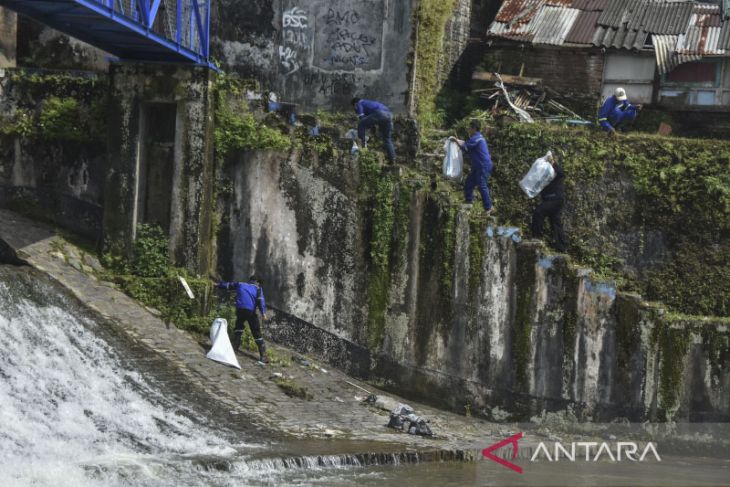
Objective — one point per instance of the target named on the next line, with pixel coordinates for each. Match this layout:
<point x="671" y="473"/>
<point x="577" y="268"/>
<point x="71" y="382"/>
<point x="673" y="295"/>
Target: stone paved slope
<point x="335" y="409"/>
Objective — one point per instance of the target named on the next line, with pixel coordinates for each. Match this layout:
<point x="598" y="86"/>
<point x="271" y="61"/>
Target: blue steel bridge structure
<point x="165" y="31"/>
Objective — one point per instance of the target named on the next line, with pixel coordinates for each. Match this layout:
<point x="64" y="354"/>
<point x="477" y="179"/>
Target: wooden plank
<point x="507" y="78"/>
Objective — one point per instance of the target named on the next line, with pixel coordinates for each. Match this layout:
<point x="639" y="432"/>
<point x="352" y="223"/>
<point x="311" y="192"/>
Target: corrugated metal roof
<point x="584" y="28"/>
<point x="614" y="13"/>
<point x="724" y="41"/>
<point x="519" y="11"/>
<point x="658" y="17"/>
<point x="706" y="16"/>
<point x="664" y="46"/>
<point x="552" y="24"/>
<point x="620" y="38"/>
<point x="517" y="32"/>
<point x="700" y="41"/>
<point x="667" y="17"/>
<point x="696" y="29"/>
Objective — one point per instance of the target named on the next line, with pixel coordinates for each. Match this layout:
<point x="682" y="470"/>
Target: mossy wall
<point x="53" y="147"/>
<point x="448" y="314"/>
<point x="649" y="211"/>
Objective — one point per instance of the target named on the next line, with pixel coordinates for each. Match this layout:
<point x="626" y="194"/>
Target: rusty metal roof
<point x="695" y="29"/>
<point x="518" y="11"/>
<point x="552" y="24"/>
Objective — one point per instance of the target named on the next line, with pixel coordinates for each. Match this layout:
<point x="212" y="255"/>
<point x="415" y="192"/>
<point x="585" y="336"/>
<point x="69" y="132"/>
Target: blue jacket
<point x="614" y="112"/>
<point x="366" y="107"/>
<point x="477" y="149"/>
<point x="248" y="296"/>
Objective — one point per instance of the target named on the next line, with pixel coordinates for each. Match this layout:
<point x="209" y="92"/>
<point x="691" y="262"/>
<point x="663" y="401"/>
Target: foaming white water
<point x="71" y="414"/>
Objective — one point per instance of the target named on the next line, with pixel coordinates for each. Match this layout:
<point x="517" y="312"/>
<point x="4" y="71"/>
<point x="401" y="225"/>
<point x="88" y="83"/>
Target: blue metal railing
<point x="132" y="29"/>
<point x="185" y="22"/>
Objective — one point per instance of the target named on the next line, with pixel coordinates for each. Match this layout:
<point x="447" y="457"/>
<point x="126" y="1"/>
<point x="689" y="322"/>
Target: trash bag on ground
<point x="404" y="418"/>
<point x="222" y="350"/>
<point x="539" y="176"/>
<point x="453" y="161"/>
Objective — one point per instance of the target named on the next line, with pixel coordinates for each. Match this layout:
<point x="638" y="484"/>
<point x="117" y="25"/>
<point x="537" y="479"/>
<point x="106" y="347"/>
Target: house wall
<point x="698" y="94"/>
<point x="633" y="72"/>
<point x="569" y="71"/>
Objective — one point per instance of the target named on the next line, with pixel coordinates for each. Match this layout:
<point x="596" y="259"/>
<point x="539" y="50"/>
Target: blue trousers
<point x="384" y="120"/>
<point x="478" y="177"/>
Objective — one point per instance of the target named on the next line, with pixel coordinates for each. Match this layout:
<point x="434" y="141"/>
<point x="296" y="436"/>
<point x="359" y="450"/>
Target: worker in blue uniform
<point x="481" y="165"/>
<point x="249" y="296"/>
<point x="373" y="113"/>
<point x="617" y="113"/>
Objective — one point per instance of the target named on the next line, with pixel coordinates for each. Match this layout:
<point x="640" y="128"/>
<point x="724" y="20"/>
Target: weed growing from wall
<point x="431" y="19"/>
<point x="377" y="193"/>
<point x="236" y="128"/>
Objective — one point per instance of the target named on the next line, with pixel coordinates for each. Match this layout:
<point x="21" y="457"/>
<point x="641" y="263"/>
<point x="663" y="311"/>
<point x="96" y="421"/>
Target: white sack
<point x="453" y="161"/>
<point x="222" y="350"/>
<point x="539" y="176"/>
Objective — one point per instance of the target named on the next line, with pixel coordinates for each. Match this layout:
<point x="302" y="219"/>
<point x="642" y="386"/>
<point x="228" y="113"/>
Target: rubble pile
<point x="526" y="97"/>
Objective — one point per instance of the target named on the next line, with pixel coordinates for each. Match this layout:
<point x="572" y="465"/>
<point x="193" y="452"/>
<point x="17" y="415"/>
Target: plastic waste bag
<point x="222" y="350"/>
<point x="539" y="176"/>
<point x="453" y="161"/>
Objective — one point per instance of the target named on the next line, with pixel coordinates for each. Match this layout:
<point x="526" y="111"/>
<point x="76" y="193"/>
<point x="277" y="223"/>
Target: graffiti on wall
<point x="349" y="35"/>
<point x="296" y="40"/>
<point x="335" y="36"/>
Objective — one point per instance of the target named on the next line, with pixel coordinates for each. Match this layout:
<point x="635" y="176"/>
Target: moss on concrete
<point x="377" y="194"/>
<point x="54" y="107"/>
<point x="236" y="128"/>
<point x="671" y="182"/>
<point x="431" y="19"/>
<point x="522" y="338"/>
<point x="476" y="257"/>
<point x="673" y="346"/>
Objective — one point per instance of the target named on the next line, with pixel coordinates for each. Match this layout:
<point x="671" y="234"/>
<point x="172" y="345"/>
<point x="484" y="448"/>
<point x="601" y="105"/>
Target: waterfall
<point x="75" y="412"/>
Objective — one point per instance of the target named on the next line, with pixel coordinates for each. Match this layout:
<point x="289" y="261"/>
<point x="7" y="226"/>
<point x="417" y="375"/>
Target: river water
<point x="81" y="405"/>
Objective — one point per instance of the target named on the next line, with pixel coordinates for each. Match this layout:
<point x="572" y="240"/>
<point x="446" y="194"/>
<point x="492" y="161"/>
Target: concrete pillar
<point x="8" y="37"/>
<point x="160" y="155"/>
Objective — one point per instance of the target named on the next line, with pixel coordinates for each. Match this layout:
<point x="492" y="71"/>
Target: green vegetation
<point x="673" y="345"/>
<point x="59" y="120"/>
<point x="523" y="322"/>
<point x="378" y="196"/>
<point x="236" y="128"/>
<point x="150" y="278"/>
<point x="681" y="188"/>
<point x="292" y="389"/>
<point x="431" y="19"/>
<point x="56" y="108"/>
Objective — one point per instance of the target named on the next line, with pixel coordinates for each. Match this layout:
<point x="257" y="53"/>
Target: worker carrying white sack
<point x="547" y="178"/>
<point x="540" y="175"/>
<point x="453" y="161"/>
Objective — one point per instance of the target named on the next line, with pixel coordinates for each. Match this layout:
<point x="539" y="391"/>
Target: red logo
<point x="512" y="440"/>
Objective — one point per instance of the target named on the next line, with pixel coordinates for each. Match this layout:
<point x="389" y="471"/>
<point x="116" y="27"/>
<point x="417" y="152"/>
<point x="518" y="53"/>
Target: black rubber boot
<point x="262" y="351"/>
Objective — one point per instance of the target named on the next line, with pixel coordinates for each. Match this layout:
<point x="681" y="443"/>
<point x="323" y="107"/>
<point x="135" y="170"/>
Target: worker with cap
<point x="249" y="296"/>
<point x="616" y="112"/>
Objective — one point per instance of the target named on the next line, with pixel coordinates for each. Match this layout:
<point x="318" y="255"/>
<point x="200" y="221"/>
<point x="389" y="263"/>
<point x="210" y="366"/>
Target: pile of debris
<point x="526" y="97"/>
